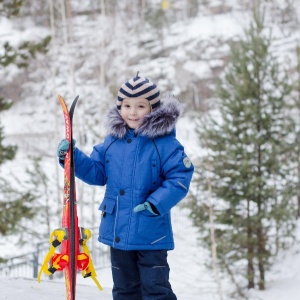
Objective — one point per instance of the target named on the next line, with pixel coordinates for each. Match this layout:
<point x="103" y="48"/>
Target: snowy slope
<point x="190" y="279"/>
<point x="189" y="276"/>
<point x="35" y="123"/>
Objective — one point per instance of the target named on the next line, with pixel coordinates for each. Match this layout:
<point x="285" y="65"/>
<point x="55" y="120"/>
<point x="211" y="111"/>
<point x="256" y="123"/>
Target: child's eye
<point x="141" y="106"/>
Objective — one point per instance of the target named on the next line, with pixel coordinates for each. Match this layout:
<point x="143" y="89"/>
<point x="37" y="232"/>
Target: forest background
<point x="236" y="66"/>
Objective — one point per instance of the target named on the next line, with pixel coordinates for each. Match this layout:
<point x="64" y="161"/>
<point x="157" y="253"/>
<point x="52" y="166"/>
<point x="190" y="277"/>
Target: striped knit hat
<point x="139" y="87"/>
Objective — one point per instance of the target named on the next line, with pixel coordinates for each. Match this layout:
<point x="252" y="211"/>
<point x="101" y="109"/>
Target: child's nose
<point x="132" y="111"/>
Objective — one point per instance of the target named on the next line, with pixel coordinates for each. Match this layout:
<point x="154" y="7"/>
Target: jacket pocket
<point x="108" y="217"/>
<point x="153" y="229"/>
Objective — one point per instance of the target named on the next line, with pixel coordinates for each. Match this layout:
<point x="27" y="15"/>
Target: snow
<point x="189" y="275"/>
<point x="186" y="262"/>
<point x="199" y="68"/>
<point x="17" y="288"/>
<point x="195" y="45"/>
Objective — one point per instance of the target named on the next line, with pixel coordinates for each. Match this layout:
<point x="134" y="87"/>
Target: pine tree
<point x="27" y="50"/>
<point x="249" y="148"/>
<point x="15" y="204"/>
<point x="10" y="8"/>
<point x="297" y="105"/>
<point x="6" y="152"/>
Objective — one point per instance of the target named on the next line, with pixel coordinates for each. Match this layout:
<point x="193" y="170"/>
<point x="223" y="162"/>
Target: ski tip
<point x="73" y="107"/>
<point x="60" y="97"/>
<point x="76" y="99"/>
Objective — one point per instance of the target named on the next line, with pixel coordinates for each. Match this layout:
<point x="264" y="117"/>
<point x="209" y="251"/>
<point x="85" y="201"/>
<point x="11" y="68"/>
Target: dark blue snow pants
<point x="141" y="275"/>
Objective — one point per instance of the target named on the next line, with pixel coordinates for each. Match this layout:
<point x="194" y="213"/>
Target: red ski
<point x="74" y="254"/>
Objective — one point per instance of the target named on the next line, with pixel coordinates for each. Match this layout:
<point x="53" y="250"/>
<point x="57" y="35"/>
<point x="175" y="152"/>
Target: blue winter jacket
<point x="145" y="164"/>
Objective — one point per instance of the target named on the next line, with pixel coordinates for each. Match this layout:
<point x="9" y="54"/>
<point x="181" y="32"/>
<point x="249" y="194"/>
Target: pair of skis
<point x="74" y="254"/>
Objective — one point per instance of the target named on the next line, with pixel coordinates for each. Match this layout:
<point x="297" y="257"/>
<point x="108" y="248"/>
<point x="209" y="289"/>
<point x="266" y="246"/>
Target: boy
<point x="146" y="173"/>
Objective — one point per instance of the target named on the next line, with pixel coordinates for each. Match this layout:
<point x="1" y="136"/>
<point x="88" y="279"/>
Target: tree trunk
<point x="212" y="233"/>
<point x="298" y="133"/>
<point x="260" y="241"/>
<point x="261" y="253"/>
<point x="230" y="272"/>
<point x="250" y="250"/>
<point x="298" y="189"/>
<point x="56" y="109"/>
<point x="250" y="267"/>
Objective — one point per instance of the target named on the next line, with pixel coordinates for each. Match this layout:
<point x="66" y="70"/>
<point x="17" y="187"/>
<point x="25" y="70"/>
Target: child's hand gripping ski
<point x="63" y="148"/>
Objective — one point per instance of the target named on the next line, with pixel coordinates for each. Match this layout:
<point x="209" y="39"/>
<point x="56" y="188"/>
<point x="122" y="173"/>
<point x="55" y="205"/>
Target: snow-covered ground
<point x="190" y="278"/>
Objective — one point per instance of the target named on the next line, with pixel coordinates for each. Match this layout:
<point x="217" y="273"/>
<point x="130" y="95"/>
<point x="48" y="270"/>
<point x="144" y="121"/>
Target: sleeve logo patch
<point x="187" y="162"/>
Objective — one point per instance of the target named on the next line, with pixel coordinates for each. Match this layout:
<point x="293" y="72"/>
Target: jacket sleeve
<point x="177" y="172"/>
<point x="90" y="169"/>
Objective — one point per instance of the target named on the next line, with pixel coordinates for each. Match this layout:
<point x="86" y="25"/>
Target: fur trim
<point x="159" y="122"/>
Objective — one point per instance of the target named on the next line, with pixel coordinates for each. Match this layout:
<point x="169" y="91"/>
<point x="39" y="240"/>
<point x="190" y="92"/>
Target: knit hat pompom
<point x="139" y="87"/>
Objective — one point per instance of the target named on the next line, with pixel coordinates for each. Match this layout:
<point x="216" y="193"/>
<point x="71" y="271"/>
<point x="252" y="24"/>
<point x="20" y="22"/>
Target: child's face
<point x="134" y="109"/>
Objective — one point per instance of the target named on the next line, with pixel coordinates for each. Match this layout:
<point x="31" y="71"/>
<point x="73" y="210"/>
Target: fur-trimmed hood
<point x="160" y="122"/>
